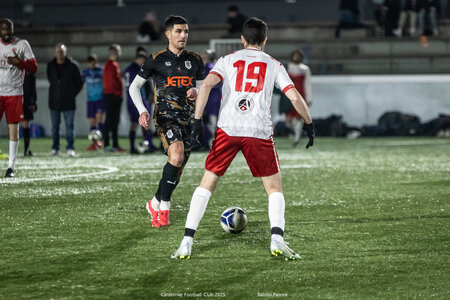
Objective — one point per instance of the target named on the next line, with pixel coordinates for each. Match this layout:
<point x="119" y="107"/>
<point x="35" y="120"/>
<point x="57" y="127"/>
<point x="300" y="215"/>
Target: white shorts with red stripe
<point x="260" y="154"/>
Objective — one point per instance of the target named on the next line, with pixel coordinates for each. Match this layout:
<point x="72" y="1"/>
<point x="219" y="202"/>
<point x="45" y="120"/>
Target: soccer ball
<point x="95" y="135"/>
<point x="142" y="147"/>
<point x="233" y="220"/>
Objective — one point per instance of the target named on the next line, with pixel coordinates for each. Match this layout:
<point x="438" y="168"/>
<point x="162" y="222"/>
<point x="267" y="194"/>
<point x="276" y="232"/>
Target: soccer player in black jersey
<point x="175" y="72"/>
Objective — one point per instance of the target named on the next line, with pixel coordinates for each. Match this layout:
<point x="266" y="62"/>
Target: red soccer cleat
<point x="92" y="147"/>
<point x="154" y="215"/>
<point x="164" y="218"/>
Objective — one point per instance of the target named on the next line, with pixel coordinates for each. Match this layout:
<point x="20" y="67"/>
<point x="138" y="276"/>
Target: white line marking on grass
<point x="51" y="178"/>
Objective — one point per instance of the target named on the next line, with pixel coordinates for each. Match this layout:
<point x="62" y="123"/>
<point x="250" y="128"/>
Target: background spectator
<point x="409" y="9"/>
<point x="112" y="98"/>
<point x="387" y="15"/>
<point x="213" y="105"/>
<point x="235" y="21"/>
<point x="349" y="16"/>
<point x="129" y="74"/>
<point x="428" y="11"/>
<point x="149" y="29"/>
<point x="301" y="77"/>
<point x="65" y="83"/>
<point x="93" y="77"/>
<point x="29" y="107"/>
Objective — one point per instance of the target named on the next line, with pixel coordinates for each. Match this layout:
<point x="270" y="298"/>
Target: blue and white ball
<point x="233" y="220"/>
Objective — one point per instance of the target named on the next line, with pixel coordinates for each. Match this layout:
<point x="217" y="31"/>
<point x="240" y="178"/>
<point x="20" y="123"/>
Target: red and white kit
<point x="11" y="77"/>
<point x="301" y="76"/>
<point x="248" y="76"/>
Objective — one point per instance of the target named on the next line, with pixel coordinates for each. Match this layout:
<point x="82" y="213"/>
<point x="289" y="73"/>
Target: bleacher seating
<point x="357" y="51"/>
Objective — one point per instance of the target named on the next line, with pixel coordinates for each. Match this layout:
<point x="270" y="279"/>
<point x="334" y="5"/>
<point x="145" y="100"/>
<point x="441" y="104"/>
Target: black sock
<point x="168" y="181"/>
<point x="26" y="138"/>
<point x="277" y="230"/>
<point x="189" y="232"/>
<point x="132" y="137"/>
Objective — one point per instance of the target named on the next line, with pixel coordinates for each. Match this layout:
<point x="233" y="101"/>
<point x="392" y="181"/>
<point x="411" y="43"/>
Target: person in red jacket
<point x="16" y="58"/>
<point x="112" y="98"/>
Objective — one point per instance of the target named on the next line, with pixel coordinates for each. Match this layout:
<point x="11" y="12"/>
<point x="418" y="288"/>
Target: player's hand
<point x="144" y="120"/>
<point x="196" y="132"/>
<point x="309" y="128"/>
<point x="14" y="60"/>
<point x="191" y="94"/>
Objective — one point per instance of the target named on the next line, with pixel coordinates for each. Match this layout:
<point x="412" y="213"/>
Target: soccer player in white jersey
<point x="16" y="57"/>
<point x="300" y="75"/>
<point x="244" y="124"/>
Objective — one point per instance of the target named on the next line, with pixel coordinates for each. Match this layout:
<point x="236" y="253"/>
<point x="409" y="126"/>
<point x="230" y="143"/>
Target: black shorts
<point x="27" y="112"/>
<point x="171" y="131"/>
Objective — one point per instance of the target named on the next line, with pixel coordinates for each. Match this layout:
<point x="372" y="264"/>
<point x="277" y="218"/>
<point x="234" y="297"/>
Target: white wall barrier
<point x="361" y="100"/>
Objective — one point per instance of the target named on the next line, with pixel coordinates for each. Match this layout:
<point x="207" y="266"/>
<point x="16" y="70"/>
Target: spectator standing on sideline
<point x="112" y="98"/>
<point x="408" y="10"/>
<point x="29" y="107"/>
<point x="65" y="83"/>
<point x="129" y="74"/>
<point x="235" y="21"/>
<point x="300" y="75"/>
<point x="16" y="57"/>
<point x="93" y="77"/>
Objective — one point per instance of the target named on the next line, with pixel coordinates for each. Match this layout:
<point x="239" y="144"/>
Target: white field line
<point x="51" y="178"/>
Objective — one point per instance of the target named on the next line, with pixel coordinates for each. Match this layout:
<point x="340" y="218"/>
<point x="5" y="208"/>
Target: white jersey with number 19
<point x="249" y="76"/>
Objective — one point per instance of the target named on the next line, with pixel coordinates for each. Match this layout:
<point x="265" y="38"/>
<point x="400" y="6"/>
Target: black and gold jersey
<point x="172" y="76"/>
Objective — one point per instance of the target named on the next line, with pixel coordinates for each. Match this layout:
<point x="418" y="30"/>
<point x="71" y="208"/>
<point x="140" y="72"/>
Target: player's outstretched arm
<point x="210" y="81"/>
<point x="300" y="106"/>
<point x="135" y="93"/>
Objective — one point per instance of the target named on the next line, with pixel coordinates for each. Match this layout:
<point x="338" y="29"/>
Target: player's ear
<point x="167" y="33"/>
<point x="243" y="40"/>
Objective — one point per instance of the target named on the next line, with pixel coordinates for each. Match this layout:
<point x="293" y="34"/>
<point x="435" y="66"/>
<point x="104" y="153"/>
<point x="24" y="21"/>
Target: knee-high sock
<point x="26" y="138"/>
<point x="13" y="146"/>
<point x="197" y="208"/>
<point x="276" y="211"/>
<point x="168" y="184"/>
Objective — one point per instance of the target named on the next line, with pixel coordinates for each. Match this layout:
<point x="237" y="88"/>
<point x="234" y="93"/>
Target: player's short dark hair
<point x="298" y="51"/>
<point x="141" y="49"/>
<point x="173" y="20"/>
<point x="254" y="31"/>
<point x="92" y="57"/>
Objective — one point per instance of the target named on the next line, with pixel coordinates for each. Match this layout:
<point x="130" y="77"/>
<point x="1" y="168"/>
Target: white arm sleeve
<point x="135" y="93"/>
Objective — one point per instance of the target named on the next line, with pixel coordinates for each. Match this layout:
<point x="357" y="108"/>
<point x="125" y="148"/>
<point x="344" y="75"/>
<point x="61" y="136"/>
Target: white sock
<point x="155" y="204"/>
<point x="165" y="205"/>
<point x="187" y="240"/>
<point x="276" y="210"/>
<point x="13" y="146"/>
<point x="197" y="208"/>
<point x="277" y="238"/>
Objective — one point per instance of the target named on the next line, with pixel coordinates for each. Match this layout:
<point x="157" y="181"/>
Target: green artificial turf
<point x="370" y="218"/>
